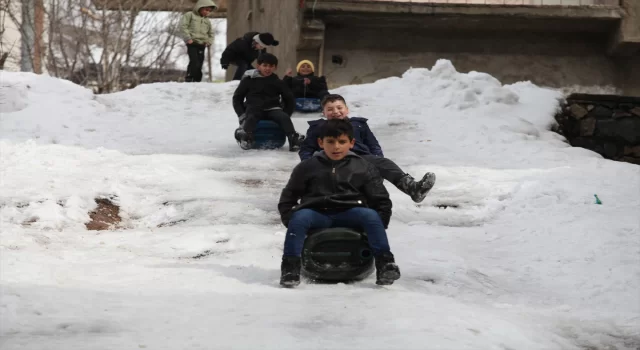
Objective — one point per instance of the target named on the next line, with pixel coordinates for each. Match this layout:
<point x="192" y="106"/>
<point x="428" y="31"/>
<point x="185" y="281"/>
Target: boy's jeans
<point x="357" y="218"/>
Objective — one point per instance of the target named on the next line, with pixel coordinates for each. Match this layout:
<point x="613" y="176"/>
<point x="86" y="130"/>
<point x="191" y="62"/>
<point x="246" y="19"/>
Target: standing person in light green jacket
<point x="197" y="33"/>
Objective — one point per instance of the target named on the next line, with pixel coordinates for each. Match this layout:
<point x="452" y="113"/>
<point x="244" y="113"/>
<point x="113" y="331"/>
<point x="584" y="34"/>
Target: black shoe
<point x="238" y="134"/>
<point x="290" y="270"/>
<point x="245" y="139"/>
<point x="386" y="269"/>
<point x="295" y="141"/>
<point x="417" y="190"/>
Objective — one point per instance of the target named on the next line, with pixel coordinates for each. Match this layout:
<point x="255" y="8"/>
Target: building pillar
<point x="626" y="39"/>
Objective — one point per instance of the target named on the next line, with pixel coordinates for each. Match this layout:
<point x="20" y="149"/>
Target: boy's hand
<point x="189" y="41"/>
<point x="307" y="81"/>
<point x="289" y="72"/>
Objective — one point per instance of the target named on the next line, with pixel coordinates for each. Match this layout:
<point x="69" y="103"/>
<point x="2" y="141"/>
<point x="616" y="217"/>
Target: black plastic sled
<point x="337" y="255"/>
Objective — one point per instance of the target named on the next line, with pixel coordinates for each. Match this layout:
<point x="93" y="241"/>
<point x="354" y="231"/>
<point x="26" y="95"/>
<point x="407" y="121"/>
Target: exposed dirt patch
<point x="105" y="217"/>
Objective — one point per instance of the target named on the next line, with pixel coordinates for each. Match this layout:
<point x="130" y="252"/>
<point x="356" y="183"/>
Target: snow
<point x="509" y="250"/>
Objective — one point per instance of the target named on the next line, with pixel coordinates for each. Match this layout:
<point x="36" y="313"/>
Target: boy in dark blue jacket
<point x="335" y="188"/>
<point x="366" y="146"/>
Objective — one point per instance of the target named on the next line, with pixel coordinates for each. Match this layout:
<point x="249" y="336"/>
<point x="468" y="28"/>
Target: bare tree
<point x="106" y="49"/>
<point x="110" y="49"/>
<point x="9" y="33"/>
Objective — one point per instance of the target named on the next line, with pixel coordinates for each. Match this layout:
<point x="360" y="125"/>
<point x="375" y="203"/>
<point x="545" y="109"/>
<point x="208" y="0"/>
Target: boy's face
<point x="335" y="110"/>
<point x="336" y="148"/>
<point x="266" y="69"/>
<point x="205" y="11"/>
<point x="305" y="69"/>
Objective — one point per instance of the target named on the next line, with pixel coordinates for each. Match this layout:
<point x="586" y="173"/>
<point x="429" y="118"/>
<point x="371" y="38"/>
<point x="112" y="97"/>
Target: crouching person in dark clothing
<point x="243" y="51"/>
<point x="335" y="188"/>
<point x="258" y="97"/>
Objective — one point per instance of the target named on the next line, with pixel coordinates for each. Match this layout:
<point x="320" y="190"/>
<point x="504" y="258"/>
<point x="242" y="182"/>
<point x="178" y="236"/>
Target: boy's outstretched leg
<point x="417" y="190"/>
<point x="368" y="219"/>
<point x="300" y="223"/>
<point x="391" y="172"/>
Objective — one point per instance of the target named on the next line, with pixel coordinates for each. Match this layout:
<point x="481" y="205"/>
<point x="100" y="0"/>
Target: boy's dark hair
<point x="332" y="98"/>
<point x="335" y="128"/>
<point x="268" y="58"/>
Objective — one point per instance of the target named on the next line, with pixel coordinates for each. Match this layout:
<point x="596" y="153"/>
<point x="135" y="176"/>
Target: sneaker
<point x="386" y="269"/>
<point x="417" y="190"/>
<point x="290" y="271"/>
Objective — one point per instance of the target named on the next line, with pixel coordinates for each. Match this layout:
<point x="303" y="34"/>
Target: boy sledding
<point x="257" y="97"/>
<point x="366" y="146"/>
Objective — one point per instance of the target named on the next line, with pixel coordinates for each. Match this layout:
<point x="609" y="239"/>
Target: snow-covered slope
<point x="521" y="258"/>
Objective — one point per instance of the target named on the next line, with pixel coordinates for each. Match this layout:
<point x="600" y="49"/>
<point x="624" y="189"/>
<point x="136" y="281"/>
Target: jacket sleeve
<point x="230" y="54"/>
<point x="319" y="86"/>
<point x="371" y="142"/>
<point x="289" y="102"/>
<point x="239" y="95"/>
<point x="292" y="193"/>
<point x="309" y="145"/>
<point x="185" y="23"/>
<point x="377" y="195"/>
<point x="288" y="81"/>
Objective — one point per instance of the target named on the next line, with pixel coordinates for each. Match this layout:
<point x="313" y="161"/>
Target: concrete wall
<point x="629" y="75"/>
<point x="548" y="59"/>
<point x="282" y="18"/>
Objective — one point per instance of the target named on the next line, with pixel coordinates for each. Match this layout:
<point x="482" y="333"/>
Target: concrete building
<point x="162" y="5"/>
<point x="554" y="43"/>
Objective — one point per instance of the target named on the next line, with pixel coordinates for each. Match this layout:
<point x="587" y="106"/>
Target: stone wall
<point x="606" y="124"/>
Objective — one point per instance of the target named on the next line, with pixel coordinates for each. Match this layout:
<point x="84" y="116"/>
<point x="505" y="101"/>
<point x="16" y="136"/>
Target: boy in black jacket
<point x="366" y="146"/>
<point x="258" y="97"/>
<point x="336" y="188"/>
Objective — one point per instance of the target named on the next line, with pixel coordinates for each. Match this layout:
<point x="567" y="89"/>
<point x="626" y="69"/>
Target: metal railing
<point x="518" y="2"/>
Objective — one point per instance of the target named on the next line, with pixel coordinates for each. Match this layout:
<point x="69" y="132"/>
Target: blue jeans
<point x="365" y="219"/>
